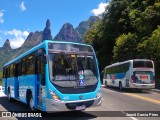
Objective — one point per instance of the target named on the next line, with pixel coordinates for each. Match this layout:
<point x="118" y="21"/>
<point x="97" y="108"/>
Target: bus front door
<point x="40" y="70"/>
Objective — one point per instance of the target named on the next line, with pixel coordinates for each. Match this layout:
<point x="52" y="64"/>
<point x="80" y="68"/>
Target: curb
<point x="155" y="90"/>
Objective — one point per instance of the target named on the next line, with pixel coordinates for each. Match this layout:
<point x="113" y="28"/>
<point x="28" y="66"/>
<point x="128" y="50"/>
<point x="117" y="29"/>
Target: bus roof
<point x="41" y="45"/>
<point x="119" y="63"/>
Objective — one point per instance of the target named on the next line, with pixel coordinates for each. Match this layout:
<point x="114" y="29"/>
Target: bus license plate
<point x="80" y="107"/>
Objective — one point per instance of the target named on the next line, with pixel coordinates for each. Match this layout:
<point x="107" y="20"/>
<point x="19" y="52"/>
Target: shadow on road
<point x="19" y="107"/>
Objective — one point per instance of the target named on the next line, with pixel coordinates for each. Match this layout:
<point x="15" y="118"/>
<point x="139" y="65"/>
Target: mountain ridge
<point x="66" y="33"/>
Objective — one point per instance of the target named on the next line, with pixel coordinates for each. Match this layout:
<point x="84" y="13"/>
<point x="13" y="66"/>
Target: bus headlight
<point x="54" y="96"/>
<point x="99" y="93"/>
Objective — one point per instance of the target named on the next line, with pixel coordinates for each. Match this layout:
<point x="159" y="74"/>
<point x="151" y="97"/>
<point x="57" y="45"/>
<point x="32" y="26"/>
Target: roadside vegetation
<point x="129" y="29"/>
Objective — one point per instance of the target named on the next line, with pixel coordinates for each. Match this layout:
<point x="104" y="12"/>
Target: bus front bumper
<point x="57" y="106"/>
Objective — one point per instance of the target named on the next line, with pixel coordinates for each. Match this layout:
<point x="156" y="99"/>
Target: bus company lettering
<point x="55" y="47"/>
<point x="143" y="77"/>
<point x="74" y="49"/>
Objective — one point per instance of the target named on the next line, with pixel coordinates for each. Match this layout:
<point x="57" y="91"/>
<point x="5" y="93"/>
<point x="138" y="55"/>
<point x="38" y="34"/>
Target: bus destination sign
<point x="69" y="47"/>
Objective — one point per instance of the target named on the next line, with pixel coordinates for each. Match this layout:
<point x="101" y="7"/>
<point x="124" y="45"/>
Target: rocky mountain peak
<point x="84" y="26"/>
<point x="47" y="31"/>
<point x="6" y="45"/>
<point x="68" y="33"/>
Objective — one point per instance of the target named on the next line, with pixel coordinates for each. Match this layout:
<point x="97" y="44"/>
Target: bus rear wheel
<point x="9" y="95"/>
<point x="31" y="103"/>
<point x="120" y="86"/>
<point x="106" y="84"/>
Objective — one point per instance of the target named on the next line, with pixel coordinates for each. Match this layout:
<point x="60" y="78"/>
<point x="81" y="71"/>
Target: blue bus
<point x="54" y="76"/>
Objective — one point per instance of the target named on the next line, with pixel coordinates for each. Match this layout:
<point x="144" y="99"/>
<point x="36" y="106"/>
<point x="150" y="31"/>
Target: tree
<point x="151" y="50"/>
<point x="125" y="47"/>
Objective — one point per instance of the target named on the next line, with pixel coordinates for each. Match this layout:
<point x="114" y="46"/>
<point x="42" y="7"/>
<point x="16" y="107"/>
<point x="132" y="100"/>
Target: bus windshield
<point x="70" y="70"/>
<point x="146" y="64"/>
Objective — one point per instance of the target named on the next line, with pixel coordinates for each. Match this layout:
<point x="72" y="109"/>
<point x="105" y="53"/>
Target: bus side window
<point x="12" y="70"/>
<point x="23" y="69"/>
<point x="30" y="64"/>
<point x="8" y="72"/>
<point x="40" y="69"/>
<point x="17" y="69"/>
<point x="4" y="70"/>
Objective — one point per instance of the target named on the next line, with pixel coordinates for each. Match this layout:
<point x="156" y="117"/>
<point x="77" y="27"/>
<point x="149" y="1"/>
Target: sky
<point x="20" y="17"/>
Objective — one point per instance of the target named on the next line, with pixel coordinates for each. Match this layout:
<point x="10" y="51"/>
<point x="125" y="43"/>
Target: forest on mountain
<point x="128" y="29"/>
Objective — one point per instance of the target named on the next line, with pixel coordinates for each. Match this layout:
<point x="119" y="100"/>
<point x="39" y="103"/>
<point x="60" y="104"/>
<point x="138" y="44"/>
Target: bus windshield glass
<point x="145" y="64"/>
<point x="71" y="69"/>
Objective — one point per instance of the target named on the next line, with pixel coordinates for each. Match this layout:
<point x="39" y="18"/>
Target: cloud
<point x="22" y="6"/>
<point x="100" y="9"/>
<point x="1" y="16"/>
<point x="17" y="37"/>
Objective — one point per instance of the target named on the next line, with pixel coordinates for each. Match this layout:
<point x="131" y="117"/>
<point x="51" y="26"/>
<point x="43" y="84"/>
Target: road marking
<point x="133" y="118"/>
<point x="143" y="98"/>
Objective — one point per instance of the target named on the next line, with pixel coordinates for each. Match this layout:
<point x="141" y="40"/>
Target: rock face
<point x="84" y="26"/>
<point x="47" y="31"/>
<point x="5" y="53"/>
<point x="68" y="33"/>
<point x="6" y="45"/>
<point x="33" y="39"/>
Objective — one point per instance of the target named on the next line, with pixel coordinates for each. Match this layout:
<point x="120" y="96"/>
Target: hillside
<point x="129" y="29"/>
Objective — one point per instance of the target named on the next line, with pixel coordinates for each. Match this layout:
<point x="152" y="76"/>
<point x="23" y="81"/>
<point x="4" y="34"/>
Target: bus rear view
<point x="136" y="73"/>
<point x="143" y="74"/>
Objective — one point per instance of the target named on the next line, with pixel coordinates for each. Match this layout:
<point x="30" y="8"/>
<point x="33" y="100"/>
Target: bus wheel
<point x="120" y="86"/>
<point x="106" y="83"/>
<point x="9" y="95"/>
<point x="31" y="103"/>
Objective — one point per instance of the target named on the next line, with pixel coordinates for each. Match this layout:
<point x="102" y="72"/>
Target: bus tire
<point x="9" y="95"/>
<point x="31" y="103"/>
<point x="105" y="83"/>
<point x="120" y="86"/>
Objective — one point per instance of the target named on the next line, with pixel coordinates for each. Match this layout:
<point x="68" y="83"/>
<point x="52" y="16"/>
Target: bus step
<point x="39" y="108"/>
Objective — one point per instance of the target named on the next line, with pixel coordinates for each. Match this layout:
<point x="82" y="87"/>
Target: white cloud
<point x="22" y="6"/>
<point x="1" y="16"/>
<point x="17" y="37"/>
<point x="100" y="9"/>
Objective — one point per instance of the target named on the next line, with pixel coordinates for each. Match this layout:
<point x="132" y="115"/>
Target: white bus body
<point x="137" y="73"/>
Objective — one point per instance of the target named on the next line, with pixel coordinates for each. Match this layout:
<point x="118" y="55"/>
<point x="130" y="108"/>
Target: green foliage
<point x="125" y="47"/>
<point x="126" y="32"/>
<point x="150" y="49"/>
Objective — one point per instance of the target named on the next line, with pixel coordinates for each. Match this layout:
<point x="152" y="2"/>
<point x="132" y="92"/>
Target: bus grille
<point x="72" y="106"/>
<point x="71" y="90"/>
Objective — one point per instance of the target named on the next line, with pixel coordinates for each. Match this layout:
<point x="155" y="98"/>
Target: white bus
<point x="137" y="73"/>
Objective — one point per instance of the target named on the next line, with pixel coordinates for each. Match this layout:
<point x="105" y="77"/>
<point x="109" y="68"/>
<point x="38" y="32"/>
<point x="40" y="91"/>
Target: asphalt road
<point x="116" y="105"/>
